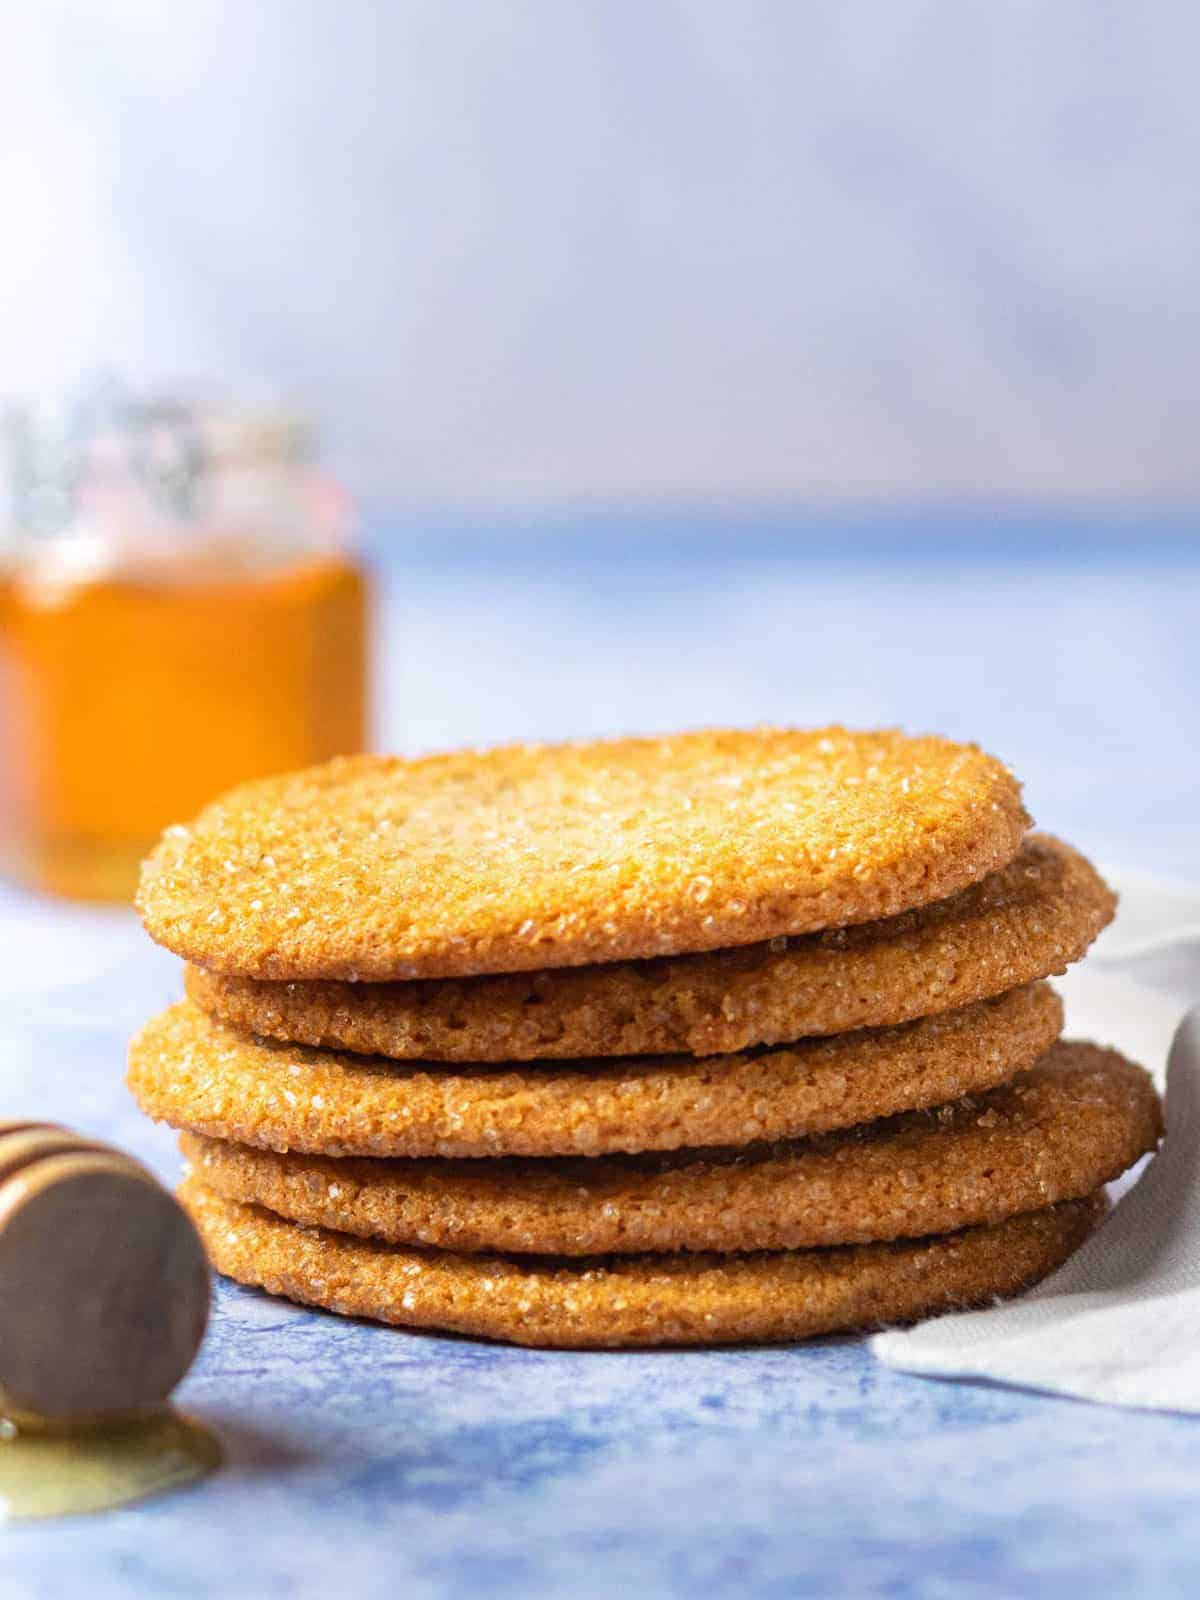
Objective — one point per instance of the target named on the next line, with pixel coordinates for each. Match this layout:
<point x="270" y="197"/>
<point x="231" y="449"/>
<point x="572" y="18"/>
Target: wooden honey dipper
<point x="104" y="1286"/>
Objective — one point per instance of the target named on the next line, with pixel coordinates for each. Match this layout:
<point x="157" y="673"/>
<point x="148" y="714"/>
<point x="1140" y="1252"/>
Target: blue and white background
<point x="694" y="361"/>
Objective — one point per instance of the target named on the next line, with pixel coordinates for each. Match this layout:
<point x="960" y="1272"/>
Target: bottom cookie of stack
<point x="638" y="1300"/>
<point x="882" y="1223"/>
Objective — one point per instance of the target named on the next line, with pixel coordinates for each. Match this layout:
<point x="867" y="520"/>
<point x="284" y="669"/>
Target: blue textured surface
<point x="364" y="1461"/>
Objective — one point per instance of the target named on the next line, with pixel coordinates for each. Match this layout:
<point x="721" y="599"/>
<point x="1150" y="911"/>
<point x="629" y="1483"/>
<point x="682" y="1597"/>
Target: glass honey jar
<point x="179" y="610"/>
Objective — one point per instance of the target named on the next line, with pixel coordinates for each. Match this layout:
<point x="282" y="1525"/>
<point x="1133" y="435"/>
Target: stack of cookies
<point x="723" y="1036"/>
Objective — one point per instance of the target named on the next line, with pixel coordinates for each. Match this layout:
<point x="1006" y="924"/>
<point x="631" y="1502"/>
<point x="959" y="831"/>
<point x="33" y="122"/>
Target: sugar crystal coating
<point x="196" y="1075"/>
<point x="600" y="1302"/>
<point x="537" y="856"/>
<point x="1076" y="1120"/>
<point x="1024" y="921"/>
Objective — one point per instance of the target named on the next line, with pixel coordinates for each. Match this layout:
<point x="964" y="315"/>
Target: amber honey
<point x="62" y="1472"/>
<point x="128" y="699"/>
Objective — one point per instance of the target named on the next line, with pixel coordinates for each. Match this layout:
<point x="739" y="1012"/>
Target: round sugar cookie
<point x="532" y="856"/>
<point x="188" y="1071"/>
<point x="1078" y="1119"/>
<point x="638" y="1300"/>
<point x="1026" y="920"/>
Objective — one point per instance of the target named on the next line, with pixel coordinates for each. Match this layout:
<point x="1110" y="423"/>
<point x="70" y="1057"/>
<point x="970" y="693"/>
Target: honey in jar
<point x="149" y="662"/>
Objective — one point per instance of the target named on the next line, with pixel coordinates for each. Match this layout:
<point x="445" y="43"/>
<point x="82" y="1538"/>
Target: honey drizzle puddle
<point x="49" y="1473"/>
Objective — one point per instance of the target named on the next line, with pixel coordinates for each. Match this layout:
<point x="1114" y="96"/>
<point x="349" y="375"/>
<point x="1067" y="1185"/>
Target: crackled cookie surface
<point x="1075" y="1121"/>
<point x="189" y="1071"/>
<point x="537" y="856"/>
<point x="1024" y="921"/>
<point x="638" y="1300"/>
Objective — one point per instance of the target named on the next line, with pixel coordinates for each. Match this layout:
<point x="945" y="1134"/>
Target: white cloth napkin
<point x="1120" y="1322"/>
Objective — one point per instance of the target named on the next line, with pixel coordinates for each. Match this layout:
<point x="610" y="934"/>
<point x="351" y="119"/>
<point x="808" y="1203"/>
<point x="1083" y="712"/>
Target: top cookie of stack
<point x="702" y="895"/>
<point x="536" y="856"/>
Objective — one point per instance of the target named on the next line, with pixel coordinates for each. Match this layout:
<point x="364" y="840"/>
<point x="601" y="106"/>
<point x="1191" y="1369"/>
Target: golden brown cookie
<point x="196" y="1075"/>
<point x="638" y="1300"/>
<point x="1026" y="920"/>
<point x="533" y="856"/>
<point x="1078" y="1119"/>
